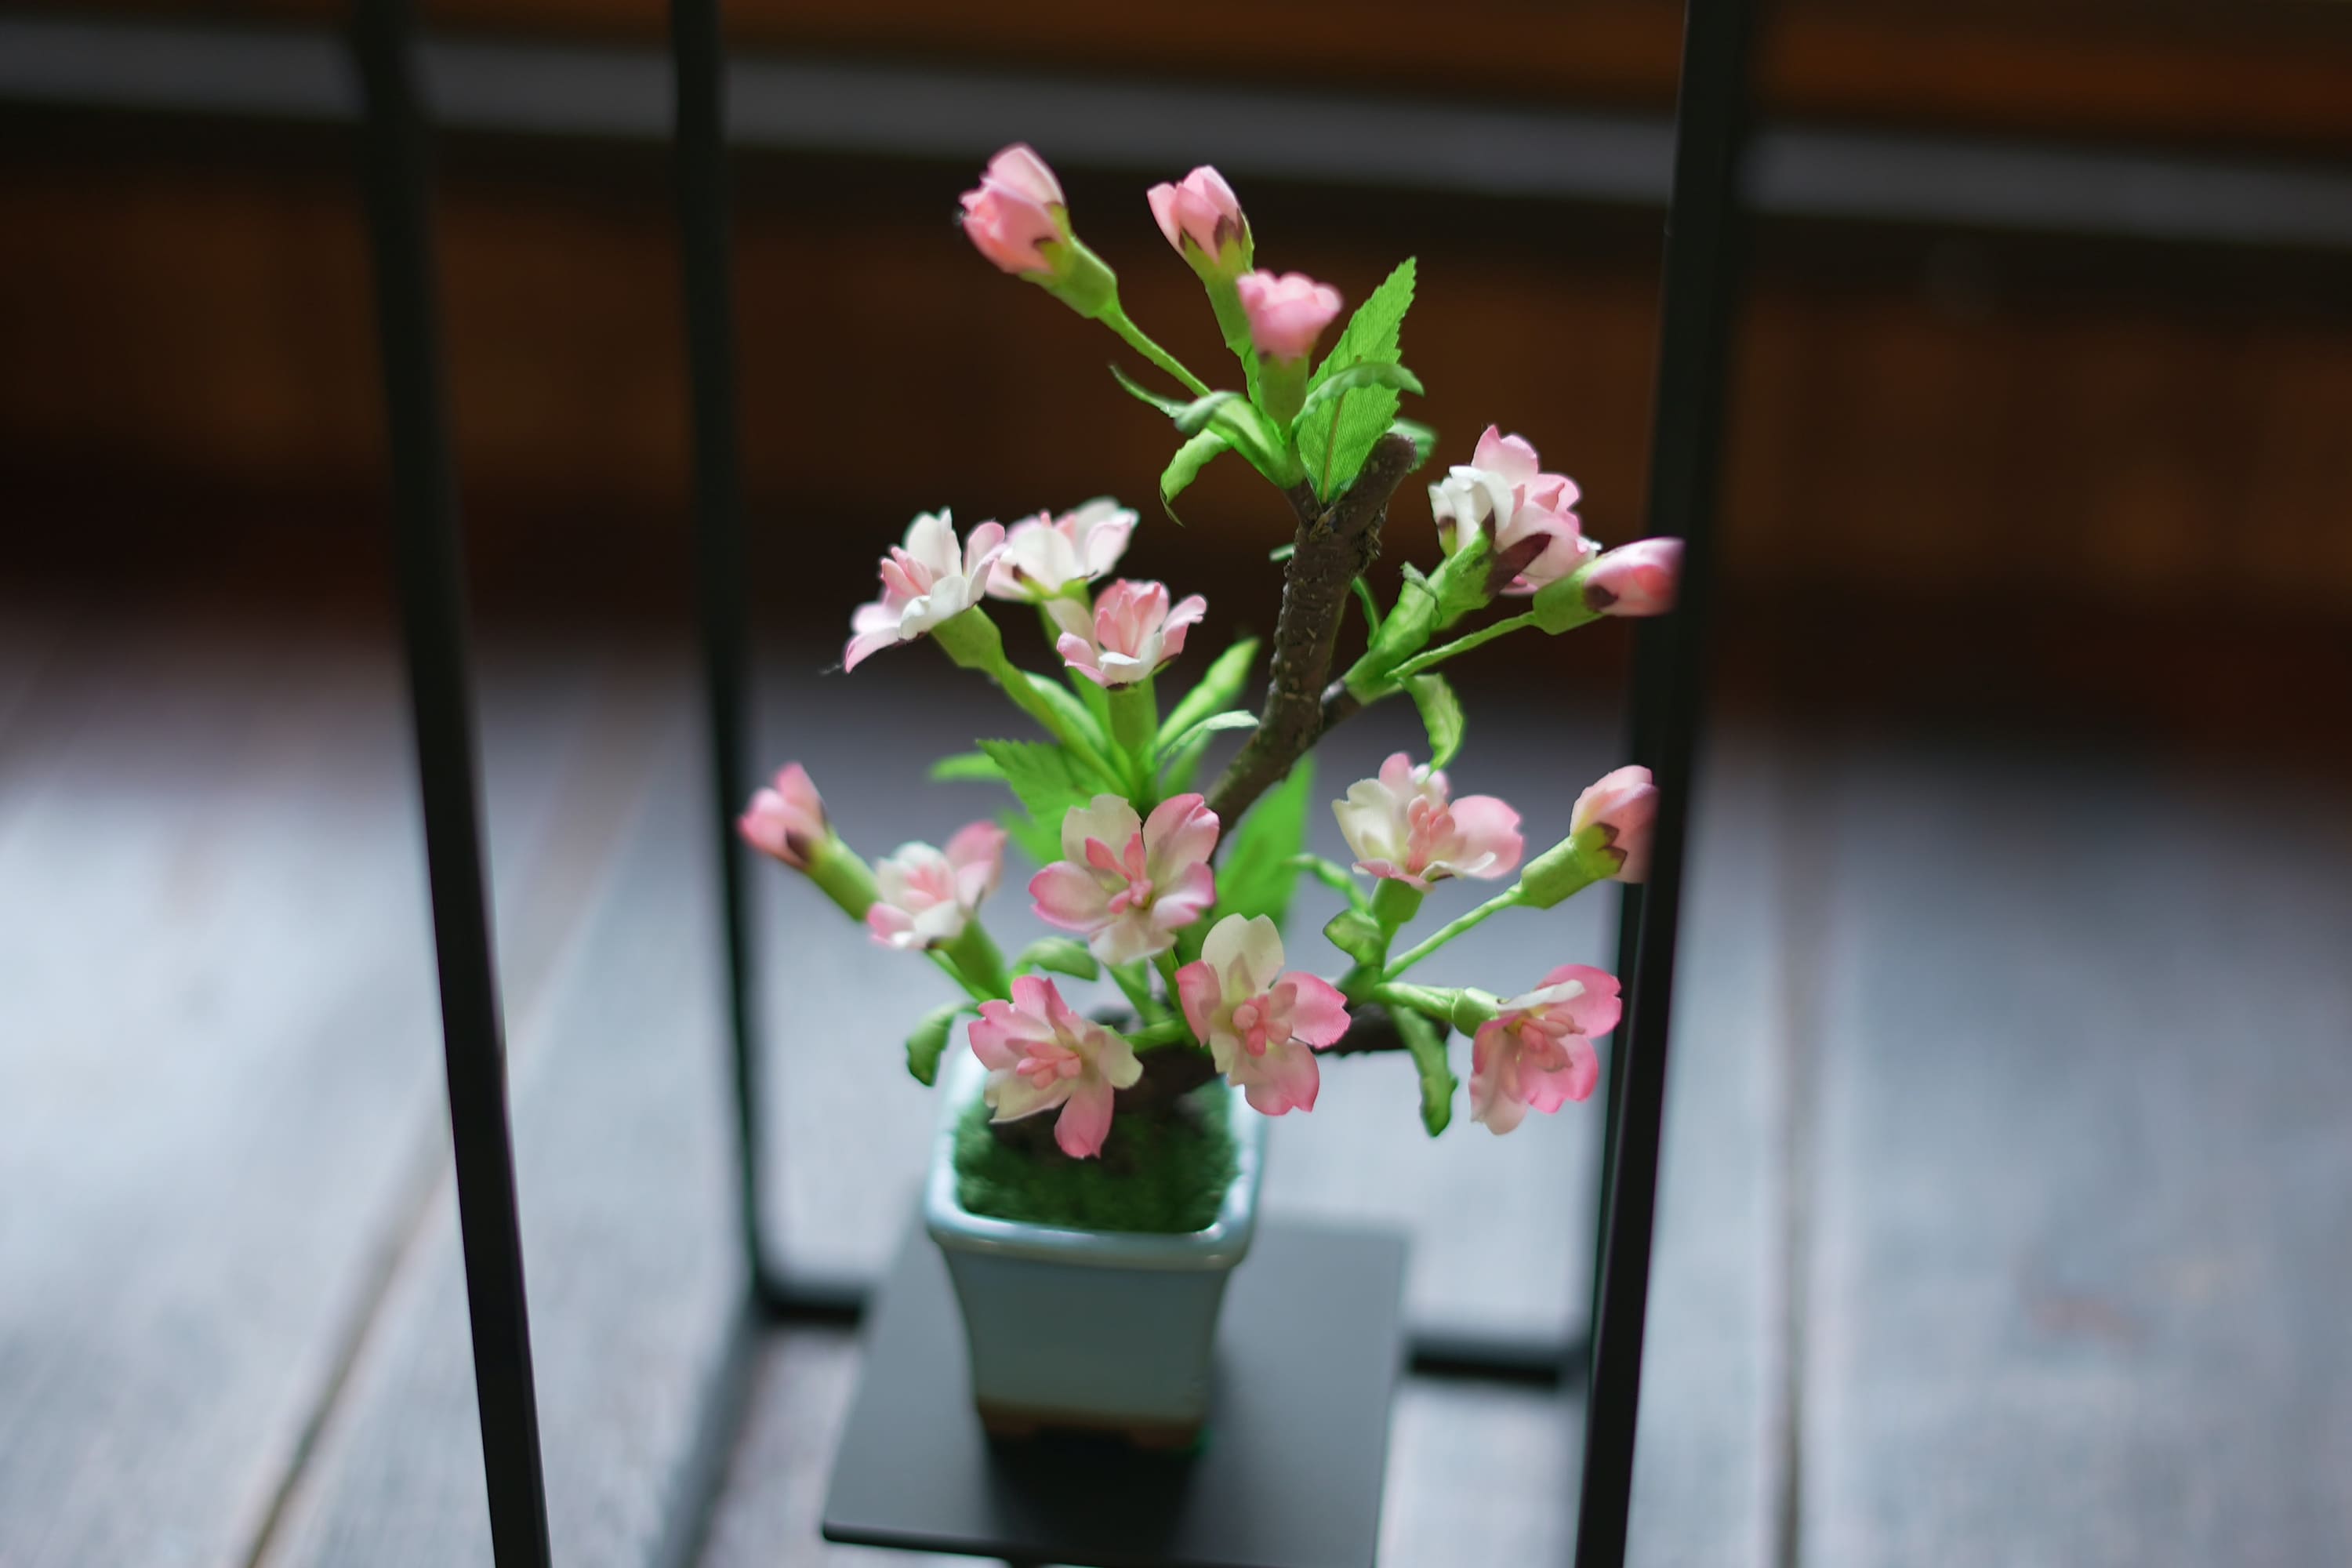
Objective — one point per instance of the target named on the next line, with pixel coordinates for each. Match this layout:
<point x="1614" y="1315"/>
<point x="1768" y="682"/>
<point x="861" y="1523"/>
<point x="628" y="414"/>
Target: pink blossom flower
<point x="1040" y="1054"/>
<point x="1622" y="805"/>
<point x="1129" y="886"/>
<point x="1046" y="555"/>
<point x="1536" y="1051"/>
<point x="1202" y="210"/>
<point x="1016" y="210"/>
<point x="1503" y="486"/>
<point x="923" y="898"/>
<point x="1287" y="314"/>
<point x="1403" y="824"/>
<point x="787" y="819"/>
<point x="1262" y="1026"/>
<point x="924" y="580"/>
<point x="1636" y="579"/>
<point x="1130" y="632"/>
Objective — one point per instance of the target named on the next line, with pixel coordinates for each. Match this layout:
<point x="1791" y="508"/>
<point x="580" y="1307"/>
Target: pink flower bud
<point x="1017" y="208"/>
<point x="786" y="821"/>
<point x="1636" y="579"/>
<point x="1620" y="806"/>
<point x="1286" y="314"/>
<point x="1202" y="210"/>
<point x="1531" y="513"/>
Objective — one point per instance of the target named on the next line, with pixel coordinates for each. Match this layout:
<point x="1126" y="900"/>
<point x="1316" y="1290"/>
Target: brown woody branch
<point x="1334" y="545"/>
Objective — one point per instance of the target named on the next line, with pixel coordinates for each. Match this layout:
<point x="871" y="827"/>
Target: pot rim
<point x="1219" y="1247"/>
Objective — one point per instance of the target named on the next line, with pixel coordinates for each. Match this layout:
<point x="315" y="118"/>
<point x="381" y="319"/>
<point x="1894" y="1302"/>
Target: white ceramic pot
<point x="1105" y="1331"/>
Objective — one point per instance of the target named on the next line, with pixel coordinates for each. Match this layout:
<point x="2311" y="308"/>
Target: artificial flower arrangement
<point x="1177" y="893"/>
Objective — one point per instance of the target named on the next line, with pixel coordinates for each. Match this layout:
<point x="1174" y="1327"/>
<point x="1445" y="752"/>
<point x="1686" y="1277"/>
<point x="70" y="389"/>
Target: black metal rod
<point x="723" y="613"/>
<point x="430" y="573"/>
<point x="1703" y="263"/>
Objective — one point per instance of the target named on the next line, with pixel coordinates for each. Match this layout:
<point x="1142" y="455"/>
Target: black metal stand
<point x="432" y="631"/>
<point x="1703" y="236"/>
<point x="1700" y="287"/>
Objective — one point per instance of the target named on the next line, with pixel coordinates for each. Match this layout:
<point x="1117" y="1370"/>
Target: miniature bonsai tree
<point x="1178" y="893"/>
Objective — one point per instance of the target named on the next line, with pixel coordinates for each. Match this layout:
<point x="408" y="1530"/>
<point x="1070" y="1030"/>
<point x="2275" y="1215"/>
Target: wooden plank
<point x="2086" y="1133"/>
<point x="1711" y="1456"/>
<point x="636" y="1291"/>
<point x="219" y="1054"/>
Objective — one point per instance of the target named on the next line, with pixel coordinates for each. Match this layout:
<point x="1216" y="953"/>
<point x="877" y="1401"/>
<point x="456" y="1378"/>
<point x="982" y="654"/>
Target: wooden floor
<point x="2007" y="1216"/>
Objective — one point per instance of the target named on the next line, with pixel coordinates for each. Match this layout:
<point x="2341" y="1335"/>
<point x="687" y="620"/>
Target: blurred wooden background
<point x="1943" y="426"/>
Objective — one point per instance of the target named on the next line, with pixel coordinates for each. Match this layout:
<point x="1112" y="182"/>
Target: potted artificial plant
<point x="1094" y="1177"/>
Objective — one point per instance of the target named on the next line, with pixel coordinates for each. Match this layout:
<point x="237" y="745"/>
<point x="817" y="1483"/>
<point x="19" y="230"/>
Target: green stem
<point x="1134" y="728"/>
<point x="1439" y="655"/>
<point x="1115" y="320"/>
<point x="1503" y="900"/>
<point x="978" y="961"/>
<point x="1135" y="982"/>
<point x="972" y="641"/>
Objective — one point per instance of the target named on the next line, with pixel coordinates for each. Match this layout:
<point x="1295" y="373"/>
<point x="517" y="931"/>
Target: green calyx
<point x="1568" y="868"/>
<point x="1079" y="279"/>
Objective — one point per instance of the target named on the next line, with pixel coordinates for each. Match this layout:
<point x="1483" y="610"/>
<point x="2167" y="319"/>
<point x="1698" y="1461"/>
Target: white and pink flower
<point x="1017" y="209"/>
<point x="1040" y="1054"/>
<point x="1262" y="1025"/>
<point x="924" y="898"/>
<point x="1621" y="806"/>
<point x="1045" y="556"/>
<point x="1536" y="1051"/>
<point x="1286" y="314"/>
<point x="1127" y="885"/>
<point x="1130" y="633"/>
<point x="787" y="819"/>
<point x="924" y="582"/>
<point x="1637" y="579"/>
<point x="1405" y="824"/>
<point x="1503" y="488"/>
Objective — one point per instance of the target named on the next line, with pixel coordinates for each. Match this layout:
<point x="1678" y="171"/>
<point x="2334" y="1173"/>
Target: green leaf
<point x="1042" y="842"/>
<point x="1333" y="444"/>
<point x="1048" y="781"/>
<point x="1426" y="1041"/>
<point x="1197" y="413"/>
<point x="1441" y="715"/>
<point x="1062" y="954"/>
<point x="963" y="767"/>
<point x="1282" y="552"/>
<point x="1186" y="464"/>
<point x="1216" y="689"/>
<point x="1357" y="935"/>
<point x="1319" y="403"/>
<point x="1257" y="876"/>
<point x="1171" y="407"/>
<point x="1231" y="719"/>
<point x="930" y="1040"/>
<point x="1232" y="416"/>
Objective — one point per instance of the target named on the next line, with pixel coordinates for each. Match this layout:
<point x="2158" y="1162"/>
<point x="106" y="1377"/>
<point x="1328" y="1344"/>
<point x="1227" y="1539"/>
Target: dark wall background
<point x="2001" y="464"/>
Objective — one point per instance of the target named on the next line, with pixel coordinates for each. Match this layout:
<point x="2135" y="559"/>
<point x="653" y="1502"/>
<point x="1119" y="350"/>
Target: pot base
<point x="1019" y="1424"/>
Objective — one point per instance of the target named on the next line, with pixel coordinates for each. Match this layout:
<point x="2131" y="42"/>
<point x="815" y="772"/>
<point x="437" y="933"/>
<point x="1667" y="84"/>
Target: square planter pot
<point x="1103" y="1331"/>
